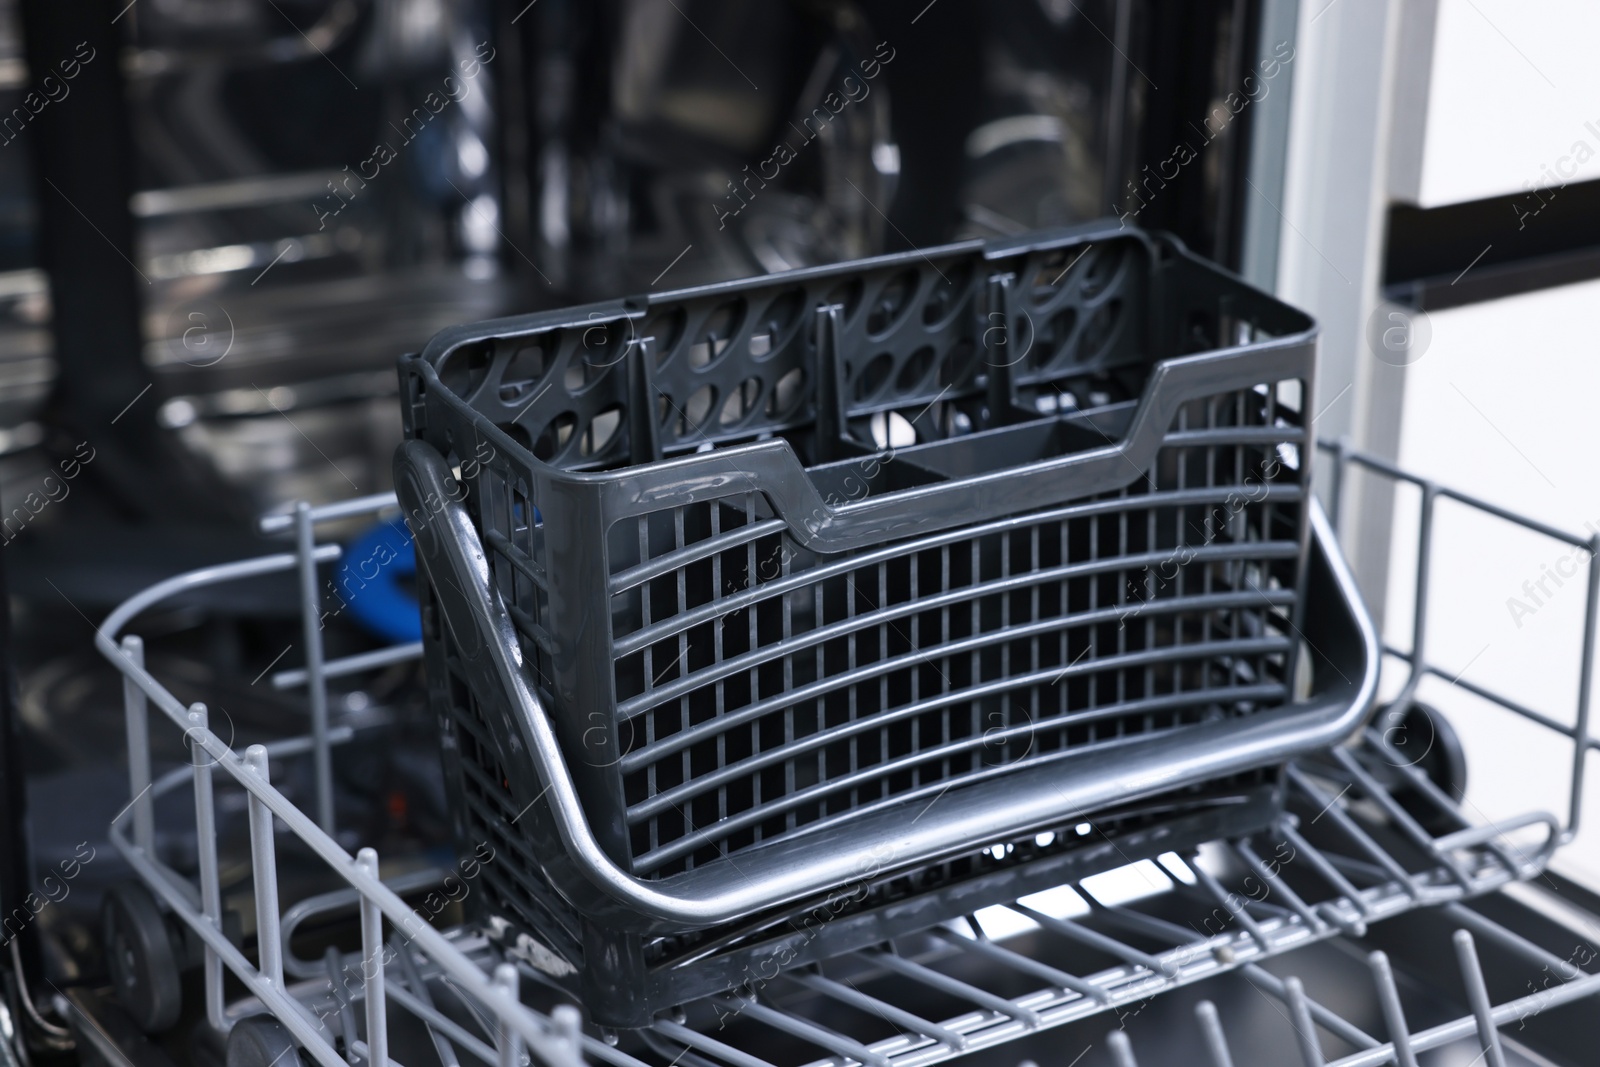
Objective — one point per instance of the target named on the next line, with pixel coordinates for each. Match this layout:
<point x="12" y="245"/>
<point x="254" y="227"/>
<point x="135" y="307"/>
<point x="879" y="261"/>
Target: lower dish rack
<point x="1365" y="837"/>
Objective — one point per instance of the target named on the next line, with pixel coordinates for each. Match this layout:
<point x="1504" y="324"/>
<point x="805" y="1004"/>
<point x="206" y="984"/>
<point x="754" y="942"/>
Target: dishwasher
<point x="826" y="584"/>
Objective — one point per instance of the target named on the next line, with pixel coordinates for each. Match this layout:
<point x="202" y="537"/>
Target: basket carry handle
<point x="962" y="820"/>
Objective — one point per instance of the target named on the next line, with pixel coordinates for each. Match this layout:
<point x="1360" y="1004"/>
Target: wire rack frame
<point x="1421" y="666"/>
<point x="554" y="1040"/>
<point x="1363" y="881"/>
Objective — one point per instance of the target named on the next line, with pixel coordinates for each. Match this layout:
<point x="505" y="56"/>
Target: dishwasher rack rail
<point x="1365" y="838"/>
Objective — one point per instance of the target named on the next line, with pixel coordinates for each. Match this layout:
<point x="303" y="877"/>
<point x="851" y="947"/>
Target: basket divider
<point x="828" y="373"/>
<point x="644" y="435"/>
<point x="998" y="356"/>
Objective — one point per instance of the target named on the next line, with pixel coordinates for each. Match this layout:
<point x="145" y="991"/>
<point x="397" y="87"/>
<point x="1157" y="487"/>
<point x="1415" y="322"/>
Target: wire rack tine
<point x="804" y="1030"/>
<point x="1121" y="1049"/>
<point x="507" y="1040"/>
<point x="1402" y="818"/>
<point x="264" y="867"/>
<point x="1211" y="1029"/>
<point x="372" y="968"/>
<point x="1278" y="886"/>
<point x="980" y="945"/>
<point x="1329" y="1019"/>
<point x="311" y="626"/>
<point x="1332" y="875"/>
<point x="1478" y="998"/>
<point x="896" y="1015"/>
<point x="1521" y="946"/>
<point x="137" y="709"/>
<point x="956" y="987"/>
<point x="334" y="963"/>
<point x="205" y="817"/>
<point x="1237" y="911"/>
<point x="411" y="981"/>
<point x="1332" y="809"/>
<point x="1394" y="1015"/>
<point x="1305" y="1029"/>
<point x="566" y="1024"/>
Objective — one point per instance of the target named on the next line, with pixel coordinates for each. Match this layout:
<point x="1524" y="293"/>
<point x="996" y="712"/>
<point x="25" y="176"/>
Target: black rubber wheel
<point x="1425" y="739"/>
<point x="141" y="958"/>
<point x="261" y="1041"/>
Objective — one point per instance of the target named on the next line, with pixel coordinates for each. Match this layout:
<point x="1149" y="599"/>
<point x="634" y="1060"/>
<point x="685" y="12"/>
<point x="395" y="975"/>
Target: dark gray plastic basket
<point x="852" y="584"/>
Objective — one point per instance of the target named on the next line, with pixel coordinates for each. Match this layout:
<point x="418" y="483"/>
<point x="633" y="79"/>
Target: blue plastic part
<point x="368" y="582"/>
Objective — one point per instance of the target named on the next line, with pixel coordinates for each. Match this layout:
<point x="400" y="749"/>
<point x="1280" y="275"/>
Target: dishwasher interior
<point x="232" y="838"/>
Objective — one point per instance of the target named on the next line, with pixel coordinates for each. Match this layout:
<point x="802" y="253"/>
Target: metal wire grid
<point x="1342" y="883"/>
<point x="1363" y="880"/>
<point x="1480" y="1029"/>
<point x="552" y="1041"/>
<point x="1141" y="951"/>
<point x="762" y="690"/>
<point x="1419" y="664"/>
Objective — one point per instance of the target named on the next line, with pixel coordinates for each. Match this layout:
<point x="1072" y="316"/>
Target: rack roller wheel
<point x="1427" y="741"/>
<point x="142" y="957"/>
<point x="262" y="1041"/>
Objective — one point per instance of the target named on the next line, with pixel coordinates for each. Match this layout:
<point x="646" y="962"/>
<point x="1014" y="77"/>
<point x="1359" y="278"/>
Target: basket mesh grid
<point x="764" y="690"/>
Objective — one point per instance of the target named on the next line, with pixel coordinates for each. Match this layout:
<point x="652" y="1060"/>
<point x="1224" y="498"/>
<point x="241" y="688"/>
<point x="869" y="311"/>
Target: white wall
<point x="1514" y="84"/>
<point x="1504" y="404"/>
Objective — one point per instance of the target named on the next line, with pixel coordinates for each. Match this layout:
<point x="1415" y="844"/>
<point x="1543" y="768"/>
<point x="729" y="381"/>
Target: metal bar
<point x="342" y="509"/>
<point x="1382" y="466"/>
<point x="691" y="1039"/>
<point x="264" y="867"/>
<point x="346" y="665"/>
<point x="334" y="963"/>
<point x="1296" y="903"/>
<point x="1394" y="1015"/>
<point x="811" y="1032"/>
<point x="1466" y="1026"/>
<point x="1330" y="1020"/>
<point x="1520" y="946"/>
<point x="956" y="987"/>
<point x="1121" y="1049"/>
<point x="1328" y="871"/>
<point x="412" y="977"/>
<point x="1400" y="817"/>
<point x="1504" y="701"/>
<point x="205" y="816"/>
<point x="1580" y="751"/>
<point x="1305" y="1030"/>
<point x="1211" y="1029"/>
<point x="334" y="900"/>
<point x="1331" y="808"/>
<point x="305" y="552"/>
<point x="178" y="896"/>
<point x="445" y="1030"/>
<point x="430" y="941"/>
<point x="508" y="1042"/>
<point x="1419" y="612"/>
<point x="1478" y="998"/>
<point x="1095" y="939"/>
<point x="892" y="1013"/>
<point x="137" y="710"/>
<point x="982" y="946"/>
<point x="1237" y="911"/>
<point x="567" y="1023"/>
<point x="372" y="967"/>
<point x="1341" y="469"/>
